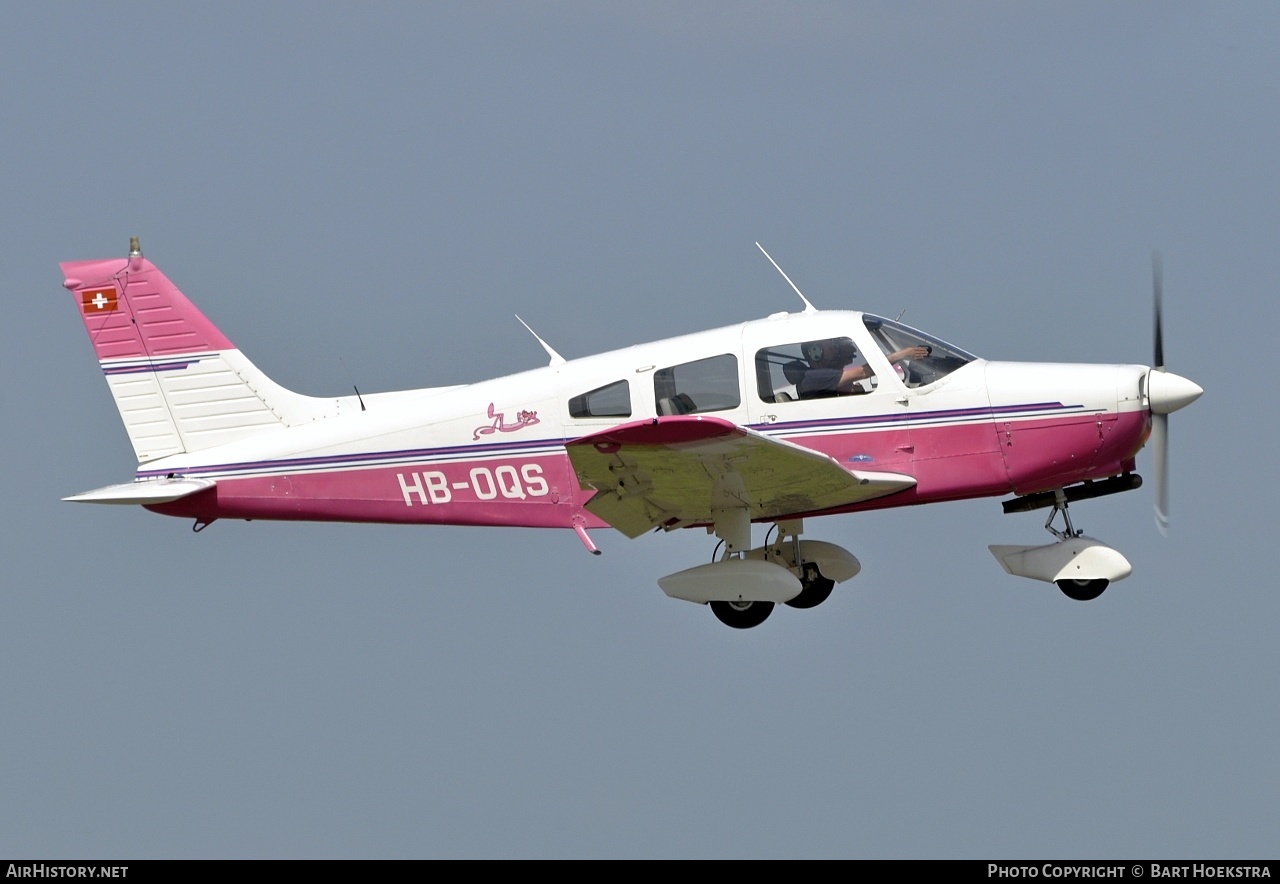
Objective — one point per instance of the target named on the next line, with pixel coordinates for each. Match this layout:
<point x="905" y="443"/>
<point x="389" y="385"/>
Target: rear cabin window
<point x="694" y="387"/>
<point x="611" y="400"/>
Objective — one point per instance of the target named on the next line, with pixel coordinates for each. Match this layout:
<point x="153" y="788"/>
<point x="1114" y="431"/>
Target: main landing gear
<point x="741" y="615"/>
<point x="814" y="590"/>
<point x="744" y="585"/>
<point x="1080" y="566"/>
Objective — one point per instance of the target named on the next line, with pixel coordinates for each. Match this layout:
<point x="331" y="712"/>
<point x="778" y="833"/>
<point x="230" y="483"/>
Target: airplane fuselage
<point x="493" y="452"/>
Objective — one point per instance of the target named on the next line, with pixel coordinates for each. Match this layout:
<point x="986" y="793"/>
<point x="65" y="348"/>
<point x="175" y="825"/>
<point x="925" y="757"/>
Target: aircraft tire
<point x="741" y="615"/>
<point x="815" y="589"/>
<point x="1083" y="590"/>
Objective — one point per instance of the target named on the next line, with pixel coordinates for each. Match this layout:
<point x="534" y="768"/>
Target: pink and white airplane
<point x="774" y="420"/>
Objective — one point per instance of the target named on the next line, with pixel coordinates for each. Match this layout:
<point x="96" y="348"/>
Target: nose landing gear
<point x="1082" y="590"/>
<point x="1080" y="566"/>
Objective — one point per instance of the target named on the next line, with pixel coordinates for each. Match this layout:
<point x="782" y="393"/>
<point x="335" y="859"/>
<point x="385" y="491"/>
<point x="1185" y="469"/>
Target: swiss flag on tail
<point x="99" y="301"/>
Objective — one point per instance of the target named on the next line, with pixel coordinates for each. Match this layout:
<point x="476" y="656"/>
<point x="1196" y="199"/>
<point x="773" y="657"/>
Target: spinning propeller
<point x="1166" y="393"/>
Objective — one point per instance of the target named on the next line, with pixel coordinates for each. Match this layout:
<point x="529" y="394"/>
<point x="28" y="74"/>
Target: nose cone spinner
<point x="1167" y="392"/>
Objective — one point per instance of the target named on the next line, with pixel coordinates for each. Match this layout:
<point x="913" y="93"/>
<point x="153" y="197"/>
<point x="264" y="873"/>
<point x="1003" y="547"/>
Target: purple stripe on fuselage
<point x="922" y="418"/>
<point x="372" y="458"/>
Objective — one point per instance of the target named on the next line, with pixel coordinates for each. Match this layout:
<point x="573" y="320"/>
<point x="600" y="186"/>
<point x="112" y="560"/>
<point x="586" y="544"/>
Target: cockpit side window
<point x="694" y="387"/>
<point x="938" y="361"/>
<point x="811" y="370"/>
<point x="611" y="400"/>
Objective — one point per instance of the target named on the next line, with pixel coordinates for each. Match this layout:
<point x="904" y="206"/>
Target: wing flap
<point x="679" y="469"/>
<point x="143" y="492"/>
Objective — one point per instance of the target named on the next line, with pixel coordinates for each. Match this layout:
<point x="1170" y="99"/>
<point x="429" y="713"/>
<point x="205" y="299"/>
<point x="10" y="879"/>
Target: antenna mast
<point x="556" y="358"/>
<point x="808" y="308"/>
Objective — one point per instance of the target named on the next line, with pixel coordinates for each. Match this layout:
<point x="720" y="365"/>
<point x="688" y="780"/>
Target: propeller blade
<point x="1165" y="393"/>
<point x="1157" y="297"/>
<point x="1160" y="451"/>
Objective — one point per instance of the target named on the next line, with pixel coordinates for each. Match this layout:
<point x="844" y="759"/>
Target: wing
<point x="673" y="471"/>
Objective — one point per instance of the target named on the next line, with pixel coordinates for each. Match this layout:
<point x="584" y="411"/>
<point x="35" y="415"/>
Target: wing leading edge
<point x="675" y="471"/>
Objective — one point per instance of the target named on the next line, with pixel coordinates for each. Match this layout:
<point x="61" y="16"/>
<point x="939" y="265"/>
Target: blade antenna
<point x="808" y="308"/>
<point x="556" y="358"/>
<point x="353" y="383"/>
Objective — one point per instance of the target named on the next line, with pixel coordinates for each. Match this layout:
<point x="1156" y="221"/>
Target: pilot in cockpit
<point x="829" y="371"/>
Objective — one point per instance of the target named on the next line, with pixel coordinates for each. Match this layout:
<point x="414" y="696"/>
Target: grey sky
<point x="367" y="193"/>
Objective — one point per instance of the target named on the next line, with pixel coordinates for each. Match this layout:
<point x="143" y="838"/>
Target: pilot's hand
<point x="911" y="353"/>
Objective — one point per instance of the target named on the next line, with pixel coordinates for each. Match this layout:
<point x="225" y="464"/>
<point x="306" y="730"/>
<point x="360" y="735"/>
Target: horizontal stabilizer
<point x="145" y="492"/>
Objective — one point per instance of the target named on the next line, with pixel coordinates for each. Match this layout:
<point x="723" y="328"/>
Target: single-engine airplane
<point x="775" y="420"/>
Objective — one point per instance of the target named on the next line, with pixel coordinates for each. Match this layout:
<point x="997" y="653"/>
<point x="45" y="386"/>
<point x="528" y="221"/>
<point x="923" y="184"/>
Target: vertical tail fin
<point x="179" y="383"/>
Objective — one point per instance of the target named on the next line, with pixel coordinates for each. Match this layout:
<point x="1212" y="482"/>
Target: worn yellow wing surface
<point x="674" y="471"/>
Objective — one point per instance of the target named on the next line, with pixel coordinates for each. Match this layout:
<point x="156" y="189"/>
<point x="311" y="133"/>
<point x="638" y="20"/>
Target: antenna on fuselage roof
<point x="808" y="308"/>
<point x="556" y="358"/>
<point x="353" y="383"/>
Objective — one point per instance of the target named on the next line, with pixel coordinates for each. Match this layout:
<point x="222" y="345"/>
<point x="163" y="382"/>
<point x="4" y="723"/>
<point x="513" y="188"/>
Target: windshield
<point x="940" y="360"/>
